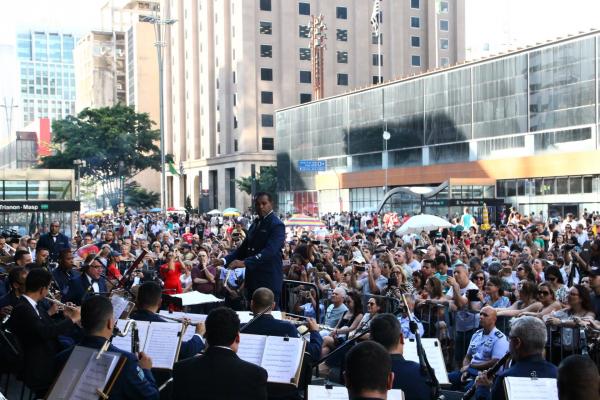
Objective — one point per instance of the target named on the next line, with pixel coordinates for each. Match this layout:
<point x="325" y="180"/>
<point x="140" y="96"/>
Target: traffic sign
<point x="312" y="165"/>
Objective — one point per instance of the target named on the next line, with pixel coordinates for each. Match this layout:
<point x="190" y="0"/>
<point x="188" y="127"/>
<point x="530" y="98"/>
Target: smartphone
<point x="472" y="295"/>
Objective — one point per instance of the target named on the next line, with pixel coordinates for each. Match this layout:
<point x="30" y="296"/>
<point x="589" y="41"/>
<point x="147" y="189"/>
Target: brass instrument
<point x="61" y="305"/>
<point x="116" y="332"/>
<point x="181" y="320"/>
<point x="302" y="323"/>
<point x="489" y="373"/>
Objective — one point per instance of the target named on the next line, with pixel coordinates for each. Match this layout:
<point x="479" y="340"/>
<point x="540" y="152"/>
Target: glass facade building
<point x="534" y="102"/>
<point x="47" y="74"/>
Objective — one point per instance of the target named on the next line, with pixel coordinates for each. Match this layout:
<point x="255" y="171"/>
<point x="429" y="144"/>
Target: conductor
<point x="260" y="252"/>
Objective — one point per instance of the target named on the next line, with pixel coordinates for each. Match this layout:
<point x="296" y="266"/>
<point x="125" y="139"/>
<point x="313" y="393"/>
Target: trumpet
<point x="61" y="305"/>
<point x="181" y="320"/>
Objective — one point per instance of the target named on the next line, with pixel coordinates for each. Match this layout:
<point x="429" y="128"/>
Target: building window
<point x="235" y="145"/>
<point x="415" y="41"/>
<point x="415" y="22"/>
<point x="265" y="5"/>
<point x="444" y="61"/>
<point x="266" y="50"/>
<point x="234" y="99"/>
<point x="235" y="123"/>
<point x="266" y="97"/>
<point x="266" y="120"/>
<point x="268" y="143"/>
<point x="377" y="39"/>
<point x="342" y="79"/>
<point x="233" y="76"/>
<point x="304" y="8"/>
<point x="266" y="74"/>
<point x="377" y="79"/>
<point x="303" y="31"/>
<point x="341" y="13"/>
<point x="414" y="3"/>
<point x="304" y="53"/>
<point x="342" y="57"/>
<point x="415" y="61"/>
<point x="218" y="127"/>
<point x="377" y="59"/>
<point x="305" y="77"/>
<point x="305" y="98"/>
<point x="342" y="35"/>
<point x="443" y="25"/>
<point x="443" y="6"/>
<point x="266" y="28"/>
<point x="444" y="44"/>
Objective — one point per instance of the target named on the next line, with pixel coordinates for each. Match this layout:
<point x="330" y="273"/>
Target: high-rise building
<point x="47" y="76"/>
<point x="229" y="64"/>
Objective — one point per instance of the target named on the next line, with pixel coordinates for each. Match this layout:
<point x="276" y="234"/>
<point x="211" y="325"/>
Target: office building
<point x="519" y="129"/>
<point x="230" y="64"/>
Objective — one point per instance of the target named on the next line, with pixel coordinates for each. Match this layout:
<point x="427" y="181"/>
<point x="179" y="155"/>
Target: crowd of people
<point x="526" y="285"/>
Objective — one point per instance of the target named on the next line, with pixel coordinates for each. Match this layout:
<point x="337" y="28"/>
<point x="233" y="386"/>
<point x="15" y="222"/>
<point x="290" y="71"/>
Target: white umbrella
<point x="214" y="212"/>
<point x="422" y="222"/>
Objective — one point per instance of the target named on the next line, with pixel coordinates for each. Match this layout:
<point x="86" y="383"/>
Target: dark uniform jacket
<point x="189" y="348"/>
<point x="219" y="374"/>
<point x="523" y="368"/>
<point x="133" y="382"/>
<point x="38" y="336"/>
<point x="54" y="247"/>
<point x="80" y="288"/>
<point x="407" y="376"/>
<point x="261" y="253"/>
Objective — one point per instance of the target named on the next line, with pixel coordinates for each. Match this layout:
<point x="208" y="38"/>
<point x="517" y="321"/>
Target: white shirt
<point x="94" y="284"/>
<point x="33" y="304"/>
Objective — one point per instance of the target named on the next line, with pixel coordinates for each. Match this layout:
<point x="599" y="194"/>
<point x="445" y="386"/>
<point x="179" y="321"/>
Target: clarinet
<point x="489" y="373"/>
<point x="135" y="339"/>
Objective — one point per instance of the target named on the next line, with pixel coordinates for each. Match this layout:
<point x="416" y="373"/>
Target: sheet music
<point x="195" y="318"/>
<point x="124" y="343"/>
<point x="251" y="348"/>
<point x="193" y="298"/>
<point x="341" y="393"/>
<point x="83" y="374"/>
<point x="433" y="350"/>
<point x="530" y="389"/>
<point x="282" y="357"/>
<point x="119" y="306"/>
<point x="189" y="333"/>
<point x="161" y="343"/>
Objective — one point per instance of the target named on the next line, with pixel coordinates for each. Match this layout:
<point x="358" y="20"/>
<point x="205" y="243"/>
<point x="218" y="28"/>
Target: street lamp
<point x="159" y="33"/>
<point x="8" y="112"/>
<point x="78" y="164"/>
<point x="384" y="158"/>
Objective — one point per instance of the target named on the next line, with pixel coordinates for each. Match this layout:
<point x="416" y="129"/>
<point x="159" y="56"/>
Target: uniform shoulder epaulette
<point x="499" y="334"/>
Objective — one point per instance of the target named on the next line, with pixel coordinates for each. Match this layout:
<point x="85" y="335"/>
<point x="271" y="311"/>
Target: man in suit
<point x="386" y="330"/>
<point x="135" y="380"/>
<point x="219" y="373"/>
<point x="54" y="241"/>
<point x="89" y="283"/>
<point x="149" y="299"/>
<point x="260" y="252"/>
<point x="368" y="371"/>
<point x="63" y="274"/>
<point x="37" y="332"/>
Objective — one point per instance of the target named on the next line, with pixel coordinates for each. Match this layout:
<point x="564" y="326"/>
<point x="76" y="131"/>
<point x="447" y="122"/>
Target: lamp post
<point x="159" y="33"/>
<point x="78" y="164"/>
<point x="384" y="159"/>
<point x="8" y="112"/>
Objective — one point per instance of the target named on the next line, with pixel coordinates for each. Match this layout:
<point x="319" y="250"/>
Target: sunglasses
<point x="479" y="278"/>
<point x="543" y="293"/>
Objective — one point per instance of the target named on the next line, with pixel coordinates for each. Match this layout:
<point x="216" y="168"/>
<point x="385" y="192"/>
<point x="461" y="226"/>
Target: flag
<point x="172" y="169"/>
<point x="375" y="16"/>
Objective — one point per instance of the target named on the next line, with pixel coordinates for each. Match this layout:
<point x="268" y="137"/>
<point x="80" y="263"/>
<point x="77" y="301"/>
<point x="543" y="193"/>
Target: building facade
<point x="230" y="64"/>
<point x="521" y="127"/>
<point x="46" y="75"/>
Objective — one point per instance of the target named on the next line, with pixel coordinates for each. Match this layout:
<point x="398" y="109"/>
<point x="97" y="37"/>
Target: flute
<point x="61" y="305"/>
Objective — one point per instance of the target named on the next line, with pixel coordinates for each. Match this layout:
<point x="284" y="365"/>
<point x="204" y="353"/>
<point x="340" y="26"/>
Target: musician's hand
<point x="53" y="309"/>
<point x="5" y="311"/>
<point x="200" y="328"/>
<point x="312" y="325"/>
<point x="483" y="380"/>
<point x="73" y="313"/>
<point x="144" y="361"/>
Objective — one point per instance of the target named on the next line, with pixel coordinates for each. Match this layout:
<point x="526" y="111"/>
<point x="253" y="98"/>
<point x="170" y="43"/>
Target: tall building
<point x="100" y="69"/>
<point x="229" y="64"/>
<point x="47" y="76"/>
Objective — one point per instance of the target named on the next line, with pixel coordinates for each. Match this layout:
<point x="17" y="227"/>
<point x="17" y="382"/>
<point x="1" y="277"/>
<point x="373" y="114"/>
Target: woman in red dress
<point x="170" y="273"/>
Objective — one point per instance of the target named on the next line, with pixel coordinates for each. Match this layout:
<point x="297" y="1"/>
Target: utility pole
<point x="317" y="45"/>
<point x="8" y="113"/>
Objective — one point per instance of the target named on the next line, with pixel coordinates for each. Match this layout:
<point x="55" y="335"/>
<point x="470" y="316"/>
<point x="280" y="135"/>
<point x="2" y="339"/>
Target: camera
<point x="472" y="295"/>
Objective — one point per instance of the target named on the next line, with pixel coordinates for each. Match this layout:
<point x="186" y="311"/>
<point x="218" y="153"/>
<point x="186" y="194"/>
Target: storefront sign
<point x="461" y="202"/>
<point x="42" y="206"/>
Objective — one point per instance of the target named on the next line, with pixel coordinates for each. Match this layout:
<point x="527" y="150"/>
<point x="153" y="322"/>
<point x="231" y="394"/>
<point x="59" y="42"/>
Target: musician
<point x="219" y="373"/>
<point x="149" y="299"/>
<point x="64" y="273"/>
<point x="89" y="283"/>
<point x="527" y="341"/>
<point x="260" y="252"/>
<point x="578" y="378"/>
<point x="41" y="259"/>
<point x="21" y="259"/>
<point x="38" y="333"/>
<point x="54" y="241"/>
<point x="368" y="372"/>
<point x="135" y="380"/>
<point x="16" y="284"/>
<point x="385" y="330"/>
<point x="487" y="346"/>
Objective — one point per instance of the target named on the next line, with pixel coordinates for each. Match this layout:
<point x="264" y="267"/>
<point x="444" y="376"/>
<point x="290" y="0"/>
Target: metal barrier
<point x="292" y="292"/>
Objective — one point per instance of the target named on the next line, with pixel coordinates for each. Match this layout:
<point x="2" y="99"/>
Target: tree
<point x="188" y="205"/>
<point x="114" y="141"/>
<point x="266" y="181"/>
<point x="140" y="198"/>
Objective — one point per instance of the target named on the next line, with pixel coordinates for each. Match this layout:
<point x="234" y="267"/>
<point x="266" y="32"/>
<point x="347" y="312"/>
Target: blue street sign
<point x="312" y="165"/>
